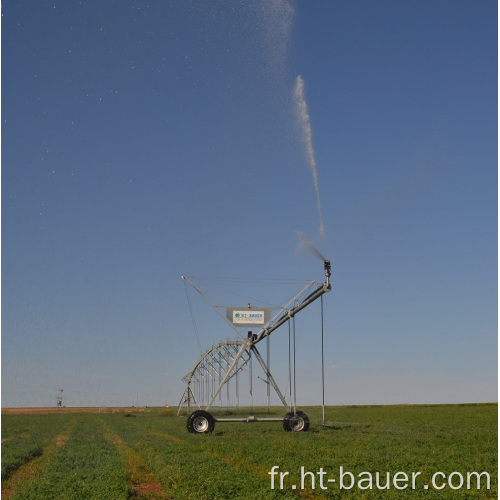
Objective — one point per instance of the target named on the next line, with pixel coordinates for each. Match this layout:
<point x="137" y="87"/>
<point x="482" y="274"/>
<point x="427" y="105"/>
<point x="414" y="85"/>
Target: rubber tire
<point x="200" y="422"/>
<point x="298" y="422"/>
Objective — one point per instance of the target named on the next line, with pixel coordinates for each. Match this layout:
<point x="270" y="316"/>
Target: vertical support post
<point x="322" y="361"/>
<point x="268" y="381"/>
<point x="207" y="388"/>
<point x="294" y="372"/>
<point x="251" y="382"/>
<point x="220" y="378"/>
<point x="237" y="390"/>
<point x="290" y="361"/>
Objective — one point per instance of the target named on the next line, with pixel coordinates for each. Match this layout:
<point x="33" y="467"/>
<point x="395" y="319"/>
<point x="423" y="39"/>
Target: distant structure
<point x="59" y="399"/>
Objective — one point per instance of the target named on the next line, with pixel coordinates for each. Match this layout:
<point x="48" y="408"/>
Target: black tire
<point x="296" y="422"/>
<point x="200" y="422"/>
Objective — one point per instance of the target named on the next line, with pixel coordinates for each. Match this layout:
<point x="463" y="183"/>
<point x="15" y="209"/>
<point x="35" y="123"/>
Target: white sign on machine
<point x="250" y="316"/>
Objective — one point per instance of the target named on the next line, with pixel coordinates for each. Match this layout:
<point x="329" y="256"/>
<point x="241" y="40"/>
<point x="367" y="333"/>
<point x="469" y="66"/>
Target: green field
<point x="149" y="454"/>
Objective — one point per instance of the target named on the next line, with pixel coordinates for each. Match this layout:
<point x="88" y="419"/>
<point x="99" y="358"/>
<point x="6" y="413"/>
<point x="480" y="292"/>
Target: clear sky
<point x="146" y="140"/>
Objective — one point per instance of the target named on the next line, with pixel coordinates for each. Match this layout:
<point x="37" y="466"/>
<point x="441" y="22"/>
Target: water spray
<point x="305" y="122"/>
<point x="305" y="243"/>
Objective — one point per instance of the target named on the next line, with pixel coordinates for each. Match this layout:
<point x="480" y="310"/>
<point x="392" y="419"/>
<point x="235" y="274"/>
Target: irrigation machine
<point x="224" y="361"/>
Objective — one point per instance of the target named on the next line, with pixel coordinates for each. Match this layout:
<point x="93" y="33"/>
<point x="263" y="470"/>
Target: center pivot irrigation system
<point x="225" y="360"/>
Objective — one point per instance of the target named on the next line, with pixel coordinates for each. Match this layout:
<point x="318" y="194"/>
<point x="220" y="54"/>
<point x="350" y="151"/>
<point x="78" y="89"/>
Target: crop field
<point x="367" y="452"/>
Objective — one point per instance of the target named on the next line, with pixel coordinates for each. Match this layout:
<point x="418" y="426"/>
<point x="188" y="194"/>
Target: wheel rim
<point x="297" y="424"/>
<point x="200" y="424"/>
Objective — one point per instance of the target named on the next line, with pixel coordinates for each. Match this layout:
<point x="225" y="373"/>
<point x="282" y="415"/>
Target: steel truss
<point x="218" y="365"/>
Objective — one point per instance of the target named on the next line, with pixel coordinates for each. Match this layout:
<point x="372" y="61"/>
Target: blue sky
<point x="146" y="140"/>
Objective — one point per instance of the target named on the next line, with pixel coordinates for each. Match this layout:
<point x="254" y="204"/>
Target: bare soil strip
<point x="76" y="409"/>
<point x="144" y="483"/>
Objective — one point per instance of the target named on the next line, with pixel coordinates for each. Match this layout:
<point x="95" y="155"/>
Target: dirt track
<point x="70" y="410"/>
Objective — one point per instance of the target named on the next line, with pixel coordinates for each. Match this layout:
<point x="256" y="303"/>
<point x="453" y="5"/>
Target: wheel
<point x="298" y="422"/>
<point x="200" y="422"/>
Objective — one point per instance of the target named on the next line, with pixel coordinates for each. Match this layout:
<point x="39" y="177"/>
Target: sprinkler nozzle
<point x="328" y="272"/>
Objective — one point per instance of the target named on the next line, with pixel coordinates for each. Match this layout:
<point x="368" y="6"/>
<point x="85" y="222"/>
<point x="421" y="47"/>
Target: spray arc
<point x="305" y="125"/>
<point x="226" y="360"/>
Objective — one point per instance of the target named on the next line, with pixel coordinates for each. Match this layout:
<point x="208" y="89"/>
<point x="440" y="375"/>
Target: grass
<point x="150" y="454"/>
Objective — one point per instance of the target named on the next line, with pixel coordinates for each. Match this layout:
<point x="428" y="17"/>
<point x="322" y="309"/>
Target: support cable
<point x="193" y="319"/>
<point x="213" y="307"/>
